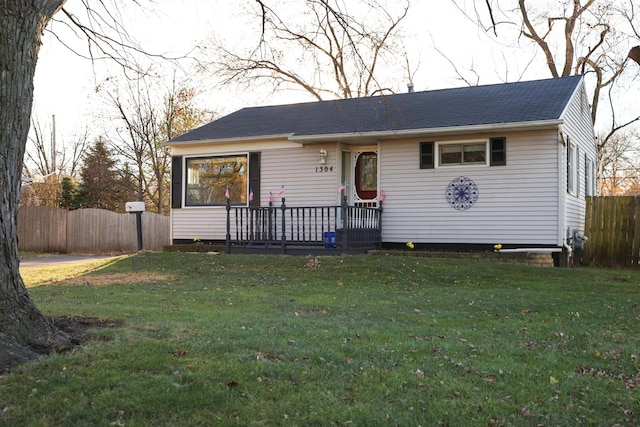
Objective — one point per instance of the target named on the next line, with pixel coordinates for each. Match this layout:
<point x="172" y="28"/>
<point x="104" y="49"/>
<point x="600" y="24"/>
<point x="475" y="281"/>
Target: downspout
<point x="562" y="193"/>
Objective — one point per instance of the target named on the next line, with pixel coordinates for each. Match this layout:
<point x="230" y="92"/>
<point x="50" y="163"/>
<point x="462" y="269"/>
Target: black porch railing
<point x="317" y="229"/>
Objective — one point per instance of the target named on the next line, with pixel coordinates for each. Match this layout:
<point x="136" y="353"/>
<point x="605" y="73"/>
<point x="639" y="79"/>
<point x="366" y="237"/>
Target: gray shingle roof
<point x="521" y="102"/>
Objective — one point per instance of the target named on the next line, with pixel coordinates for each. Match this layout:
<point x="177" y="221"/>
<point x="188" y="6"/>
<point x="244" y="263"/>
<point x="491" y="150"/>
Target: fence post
<point x="380" y="209"/>
<point x="345" y="225"/>
<point x="284" y="237"/>
<point x="251" y="219"/>
<point x="635" y="251"/>
<point x="270" y="222"/>
<point x="228" y="237"/>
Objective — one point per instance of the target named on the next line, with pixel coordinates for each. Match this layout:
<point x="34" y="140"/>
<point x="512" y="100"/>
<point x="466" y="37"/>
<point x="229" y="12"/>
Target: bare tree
<point x="618" y="168"/>
<point x="41" y="156"/>
<point x="588" y="37"/>
<point x="150" y="118"/>
<point x="342" y="49"/>
<point x="46" y="162"/>
<point x="24" y="331"/>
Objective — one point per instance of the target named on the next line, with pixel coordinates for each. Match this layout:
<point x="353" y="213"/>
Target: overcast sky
<point x="65" y="83"/>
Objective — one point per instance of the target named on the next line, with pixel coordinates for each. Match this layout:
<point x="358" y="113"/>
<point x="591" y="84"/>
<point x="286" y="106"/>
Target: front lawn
<point x="358" y="340"/>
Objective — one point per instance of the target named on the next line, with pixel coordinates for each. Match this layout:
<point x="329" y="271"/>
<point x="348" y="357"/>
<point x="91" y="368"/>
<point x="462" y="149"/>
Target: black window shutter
<point x="498" y="151"/>
<point x="254" y="177"/>
<point x="176" y="182"/>
<point x="426" y="155"/>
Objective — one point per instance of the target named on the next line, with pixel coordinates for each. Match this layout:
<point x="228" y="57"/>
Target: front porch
<point x="313" y="230"/>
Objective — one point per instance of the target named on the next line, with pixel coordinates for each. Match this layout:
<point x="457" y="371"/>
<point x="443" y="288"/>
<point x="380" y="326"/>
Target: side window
<point x="571" y="167"/>
<point x="498" y="151"/>
<point x="426" y="155"/>
<point x="577" y="171"/>
<point x="588" y="177"/>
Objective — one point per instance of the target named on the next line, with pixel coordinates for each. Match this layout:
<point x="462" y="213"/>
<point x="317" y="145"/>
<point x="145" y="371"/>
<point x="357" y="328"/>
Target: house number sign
<point x="462" y="193"/>
<point x="324" y="169"/>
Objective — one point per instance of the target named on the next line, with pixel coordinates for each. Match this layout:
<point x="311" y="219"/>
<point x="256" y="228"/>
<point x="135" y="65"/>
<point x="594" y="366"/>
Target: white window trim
<point x="487" y="153"/>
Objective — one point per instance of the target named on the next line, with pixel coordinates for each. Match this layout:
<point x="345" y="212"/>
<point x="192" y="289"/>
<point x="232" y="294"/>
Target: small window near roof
<point x="498" y="151"/>
<point x="462" y="154"/>
<point x="426" y="155"/>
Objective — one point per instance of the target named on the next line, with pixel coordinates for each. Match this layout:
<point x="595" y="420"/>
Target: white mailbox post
<point x="136" y="208"/>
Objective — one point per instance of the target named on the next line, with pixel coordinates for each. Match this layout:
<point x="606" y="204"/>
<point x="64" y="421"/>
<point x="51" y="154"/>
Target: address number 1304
<point x="323" y="169"/>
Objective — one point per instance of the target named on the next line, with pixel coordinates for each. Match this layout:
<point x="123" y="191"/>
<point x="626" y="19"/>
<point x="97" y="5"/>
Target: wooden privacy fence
<point x="611" y="225"/>
<point x="48" y="229"/>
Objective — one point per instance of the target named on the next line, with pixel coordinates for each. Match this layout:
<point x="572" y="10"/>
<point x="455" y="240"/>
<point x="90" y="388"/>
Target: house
<point x="460" y="169"/>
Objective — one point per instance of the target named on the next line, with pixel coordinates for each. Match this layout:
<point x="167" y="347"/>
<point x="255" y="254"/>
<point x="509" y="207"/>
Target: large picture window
<point x="209" y="177"/>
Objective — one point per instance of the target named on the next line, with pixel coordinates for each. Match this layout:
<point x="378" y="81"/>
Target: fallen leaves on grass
<point x="631" y="383"/>
<point x="312" y="263"/>
<point x="116" y="278"/>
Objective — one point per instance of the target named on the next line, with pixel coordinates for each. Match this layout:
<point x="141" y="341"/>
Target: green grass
<point x="360" y="340"/>
<point x="33" y="276"/>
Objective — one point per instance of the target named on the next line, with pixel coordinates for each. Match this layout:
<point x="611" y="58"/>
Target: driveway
<point x="57" y="261"/>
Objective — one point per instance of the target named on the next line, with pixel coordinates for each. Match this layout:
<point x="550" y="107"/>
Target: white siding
<point x="290" y="164"/>
<point x="517" y="204"/>
<point x="297" y="170"/>
<point x="523" y="203"/>
<point x="577" y="125"/>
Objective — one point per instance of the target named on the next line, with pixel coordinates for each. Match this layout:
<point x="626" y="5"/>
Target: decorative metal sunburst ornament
<point x="462" y="193"/>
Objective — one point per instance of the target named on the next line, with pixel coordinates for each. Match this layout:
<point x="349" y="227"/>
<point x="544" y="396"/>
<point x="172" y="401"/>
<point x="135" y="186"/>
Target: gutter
<point x="257" y="138"/>
<point x="408" y="133"/>
<point x="532" y="250"/>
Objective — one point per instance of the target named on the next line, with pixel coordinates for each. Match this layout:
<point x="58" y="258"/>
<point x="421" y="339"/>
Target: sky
<point x="65" y="84"/>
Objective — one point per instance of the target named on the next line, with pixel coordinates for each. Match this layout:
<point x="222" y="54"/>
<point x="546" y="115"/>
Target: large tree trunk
<point x="24" y="332"/>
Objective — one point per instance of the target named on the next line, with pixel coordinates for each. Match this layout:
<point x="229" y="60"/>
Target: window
<point x="209" y="177"/>
<point x="576" y="168"/>
<point x="571" y="167"/>
<point x="462" y="154"/>
<point x="498" y="151"/>
<point x="588" y="177"/>
<point x="426" y="155"/>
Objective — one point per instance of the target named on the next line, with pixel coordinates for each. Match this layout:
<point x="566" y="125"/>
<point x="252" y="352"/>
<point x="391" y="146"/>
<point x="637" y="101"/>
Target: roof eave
<point x="174" y="143"/>
<point x="416" y="133"/>
<point x="376" y="135"/>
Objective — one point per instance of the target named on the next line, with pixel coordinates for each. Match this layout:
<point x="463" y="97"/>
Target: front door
<point x="365" y="178"/>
